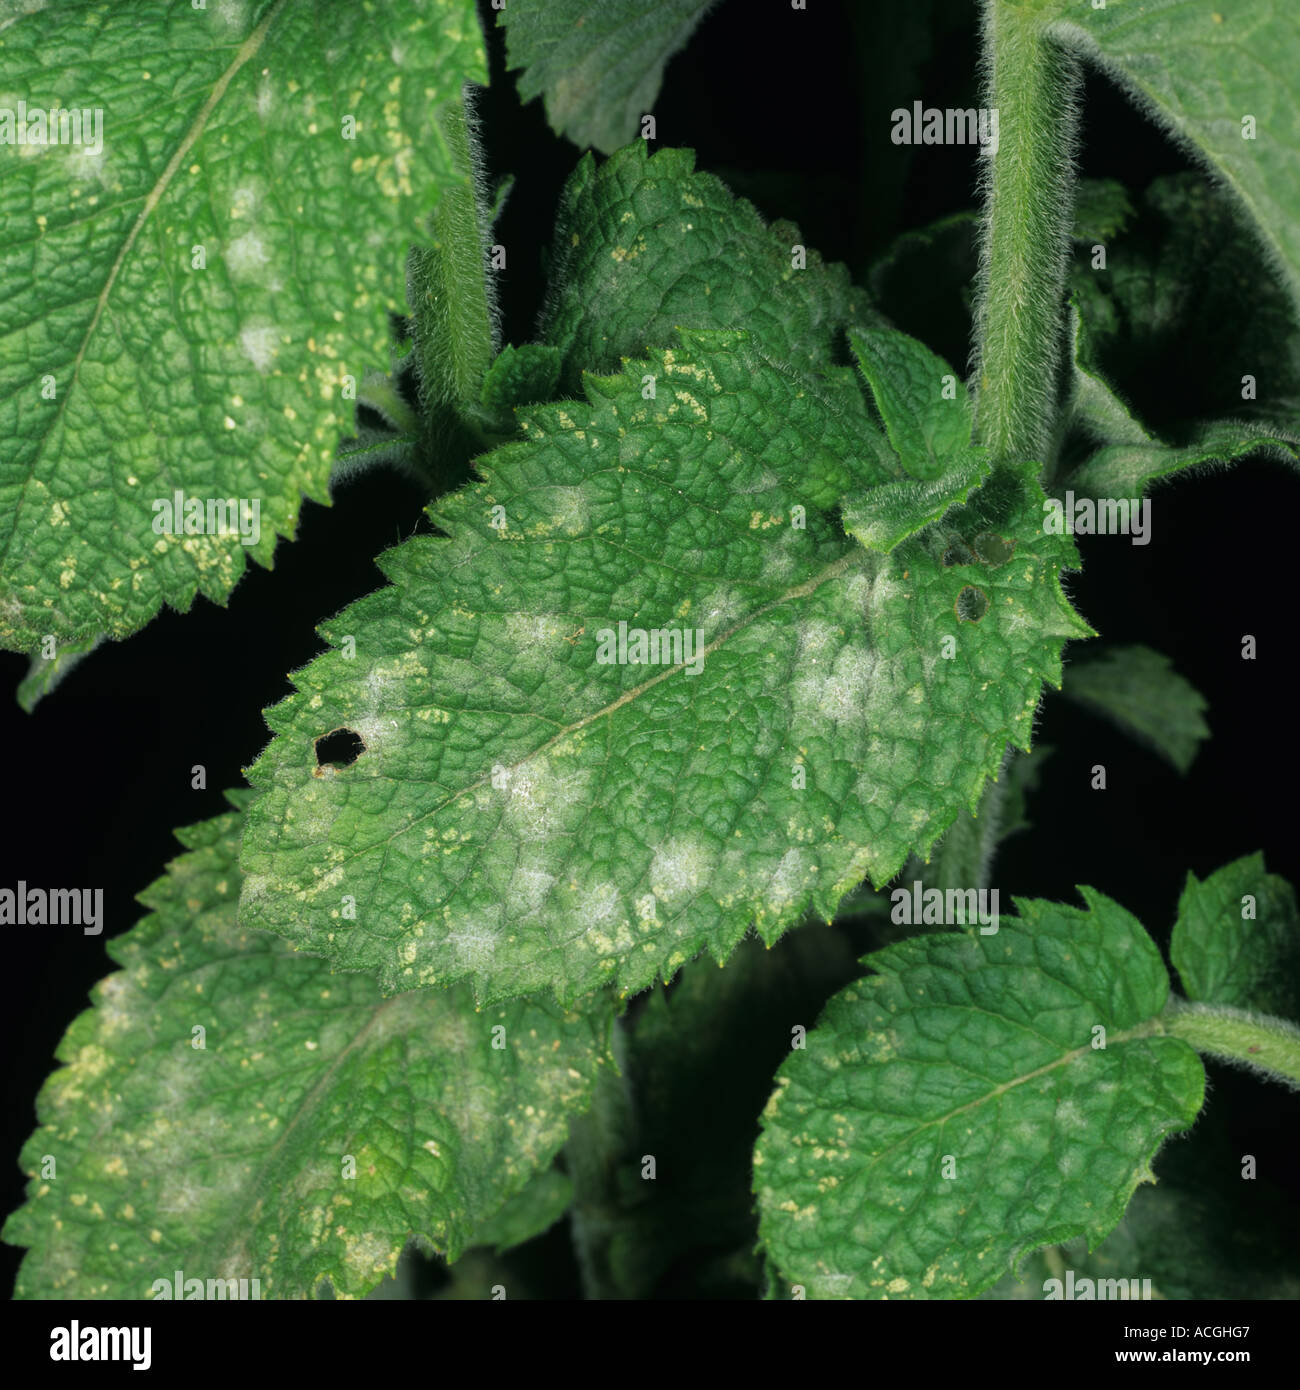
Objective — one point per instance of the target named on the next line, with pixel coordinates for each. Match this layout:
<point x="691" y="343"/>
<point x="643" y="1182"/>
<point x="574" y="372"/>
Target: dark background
<point x="779" y="104"/>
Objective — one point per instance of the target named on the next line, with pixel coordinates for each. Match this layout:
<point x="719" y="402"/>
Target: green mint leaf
<point x="178" y="316"/>
<point x="927" y="417"/>
<point x="1101" y="210"/>
<point x="1128" y="470"/>
<point x="1237" y="939"/>
<point x="885" y="516"/>
<point x="45" y="675"/>
<point x="1207" y="70"/>
<point x="521" y="376"/>
<point x="1140" y="690"/>
<point x="230" y="1160"/>
<point x="597" y="66"/>
<point x="375" y="448"/>
<point x="898" y="1145"/>
<point x="921" y="400"/>
<point x="1094" y="404"/>
<point x="645" y="245"/>
<point x="539" y="803"/>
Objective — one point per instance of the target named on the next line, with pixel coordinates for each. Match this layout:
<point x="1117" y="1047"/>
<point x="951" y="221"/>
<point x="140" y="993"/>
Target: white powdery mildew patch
<point x="258" y="342"/>
<point x="177" y="1077"/>
<point x="857" y="590"/>
<point x="569" y="514"/>
<point x="527" y="632"/>
<point x="790" y="881"/>
<point x="367" y="1255"/>
<point x="718" y="612"/>
<point x="781" y="557"/>
<point x="113" y="1004"/>
<point x="231" y="13"/>
<point x="681" y="867"/>
<point x="312" y="812"/>
<point x="1068" y="1115"/>
<point x="475" y="944"/>
<point x="817" y="639"/>
<point x="839" y="690"/>
<point x="246" y="256"/>
<point x="541" y="800"/>
<point x="603" y="904"/>
<point x="527" y="891"/>
<point x="374" y="731"/>
<point x="764" y="481"/>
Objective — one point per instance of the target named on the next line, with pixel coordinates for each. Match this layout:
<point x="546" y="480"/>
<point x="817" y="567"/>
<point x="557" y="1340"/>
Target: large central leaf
<point x="528" y="814"/>
<point x="175" y="311"/>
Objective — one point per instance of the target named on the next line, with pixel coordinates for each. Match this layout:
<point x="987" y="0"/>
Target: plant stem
<point x="1028" y="187"/>
<point x="1270" y="1046"/>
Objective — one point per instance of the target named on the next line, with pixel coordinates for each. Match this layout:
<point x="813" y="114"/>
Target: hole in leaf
<point x="993" y="549"/>
<point x="338" y="748"/>
<point x="971" y="605"/>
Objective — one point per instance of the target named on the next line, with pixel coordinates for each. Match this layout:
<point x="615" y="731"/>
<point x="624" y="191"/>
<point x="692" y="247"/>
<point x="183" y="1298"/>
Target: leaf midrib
<point x="855" y="555"/>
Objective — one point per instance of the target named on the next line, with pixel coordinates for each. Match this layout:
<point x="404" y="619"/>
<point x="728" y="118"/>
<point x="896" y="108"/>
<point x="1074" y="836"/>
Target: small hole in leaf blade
<point x="339" y="748"/>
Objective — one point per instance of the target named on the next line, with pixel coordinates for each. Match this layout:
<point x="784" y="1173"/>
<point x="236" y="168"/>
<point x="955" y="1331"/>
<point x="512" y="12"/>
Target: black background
<point x="781" y="105"/>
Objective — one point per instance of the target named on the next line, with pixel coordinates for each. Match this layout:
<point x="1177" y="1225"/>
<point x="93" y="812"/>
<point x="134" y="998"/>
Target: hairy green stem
<point x="1267" y="1045"/>
<point x="1028" y="186"/>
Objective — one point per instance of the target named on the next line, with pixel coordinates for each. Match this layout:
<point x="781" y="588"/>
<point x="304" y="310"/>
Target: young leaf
<point x="46" y="675"/>
<point x="1237" y="939"/>
<point x="927" y="416"/>
<point x="597" y="66"/>
<point x="234" y="1110"/>
<point x="1207" y="71"/>
<point x="178" y="316"/>
<point x="539" y="804"/>
<point x="645" y="245"/>
<point x="1101" y="210"/>
<point x="898" y="1146"/>
<point x="1128" y="470"/>
<point x="924" y="406"/>
<point x="1140" y="690"/>
<point x="521" y="376"/>
<point x="1094" y="403"/>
